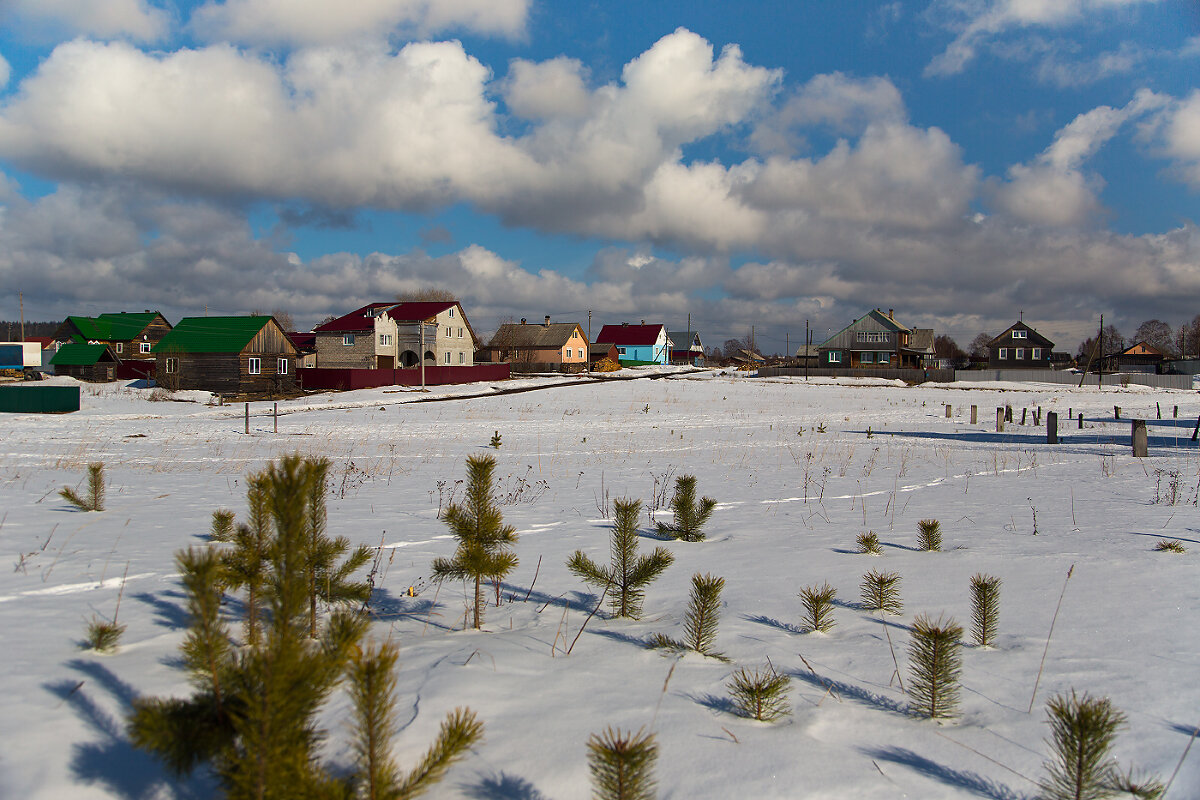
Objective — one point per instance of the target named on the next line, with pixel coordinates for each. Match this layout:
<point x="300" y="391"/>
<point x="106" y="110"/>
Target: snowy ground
<point x="792" y="500"/>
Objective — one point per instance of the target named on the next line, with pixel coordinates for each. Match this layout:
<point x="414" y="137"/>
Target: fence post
<point x="947" y="411"/>
<point x="1024" y="411"/>
<point x="275" y="414"/>
<point x="1008" y="413"/>
<point x="1117" y="412"/>
<point x="247" y="418"/>
<point x="974" y="414"/>
<point x="1158" y="408"/>
<point x="1051" y="427"/>
<point x="1138" y="438"/>
<point x="999" y="420"/>
<point x="1080" y="420"/>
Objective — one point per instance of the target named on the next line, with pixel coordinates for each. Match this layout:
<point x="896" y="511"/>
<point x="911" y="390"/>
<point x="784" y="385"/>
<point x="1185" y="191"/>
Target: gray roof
<point x="556" y="334"/>
<point x="683" y="340"/>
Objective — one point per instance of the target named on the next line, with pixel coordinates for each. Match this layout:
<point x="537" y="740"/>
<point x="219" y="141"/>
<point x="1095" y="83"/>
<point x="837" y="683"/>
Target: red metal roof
<point x="629" y="335"/>
<point x="361" y="319"/>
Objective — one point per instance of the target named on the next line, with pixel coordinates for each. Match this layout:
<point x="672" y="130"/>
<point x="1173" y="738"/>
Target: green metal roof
<point x="211" y="335"/>
<point x="75" y="354"/>
<point x="113" y="327"/>
<point x="90" y="328"/>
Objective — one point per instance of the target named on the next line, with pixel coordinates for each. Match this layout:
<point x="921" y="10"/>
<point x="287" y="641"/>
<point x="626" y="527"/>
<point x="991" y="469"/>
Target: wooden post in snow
<point x="247" y="418"/>
<point x="947" y="411"/>
<point x="974" y="415"/>
<point x="1051" y="427"/>
<point x="999" y="420"/>
<point x="1138" y="438"/>
<point x="275" y="414"/>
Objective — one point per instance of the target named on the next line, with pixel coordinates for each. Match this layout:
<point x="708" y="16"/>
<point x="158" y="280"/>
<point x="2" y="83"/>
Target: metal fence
<point x="908" y="375"/>
<point x="1072" y="378"/>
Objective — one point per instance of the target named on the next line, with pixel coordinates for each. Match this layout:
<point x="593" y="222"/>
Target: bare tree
<point x="427" y="294"/>
<point x="1111" y="342"/>
<point x="1157" y="333"/>
<point x="979" y="345"/>
<point x="1187" y="338"/>
<point x="284" y="318"/>
<point x="945" y="347"/>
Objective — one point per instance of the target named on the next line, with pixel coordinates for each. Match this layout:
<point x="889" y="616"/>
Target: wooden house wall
<point x="227" y="373"/>
<point x="100" y="372"/>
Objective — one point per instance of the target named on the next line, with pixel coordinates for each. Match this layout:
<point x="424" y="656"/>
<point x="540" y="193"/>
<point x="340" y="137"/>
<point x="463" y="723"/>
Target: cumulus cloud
<point x="839" y="102"/>
<point x="547" y="89"/>
<point x="977" y="24"/>
<point x="316" y="22"/>
<point x="1176" y="131"/>
<point x="111" y="19"/>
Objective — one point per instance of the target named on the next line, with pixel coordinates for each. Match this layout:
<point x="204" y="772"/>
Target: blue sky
<point x="758" y="164"/>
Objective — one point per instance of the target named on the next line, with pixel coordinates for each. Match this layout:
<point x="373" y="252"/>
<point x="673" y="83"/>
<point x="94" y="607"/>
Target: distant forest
<point x="10" y="330"/>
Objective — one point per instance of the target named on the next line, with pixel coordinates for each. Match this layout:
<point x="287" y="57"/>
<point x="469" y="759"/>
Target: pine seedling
<point x="626" y="575"/>
<point x="622" y="765"/>
<point x="985" y="608"/>
<point x="868" y="544"/>
<point x="94" y="501"/>
<point x="328" y="580"/>
<point x="482" y="536"/>
<point x="690" y="514"/>
<point x="495" y="442"/>
<point x="818" y="607"/>
<point x="880" y="591"/>
<point x="222" y="529"/>
<point x="929" y="535"/>
<point x="760" y="695"/>
<point x="934" y="664"/>
<point x="102" y="635"/>
<point x="1082" y="732"/>
<point x="1169" y="546"/>
<point x="700" y="624"/>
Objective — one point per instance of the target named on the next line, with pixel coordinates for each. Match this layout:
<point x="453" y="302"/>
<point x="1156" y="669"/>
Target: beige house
<point x="551" y="345"/>
<point x="397" y="336"/>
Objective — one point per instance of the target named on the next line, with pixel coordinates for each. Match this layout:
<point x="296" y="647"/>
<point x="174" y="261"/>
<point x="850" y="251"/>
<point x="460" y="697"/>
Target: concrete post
<point x="1138" y="438"/>
<point x="1051" y="427"/>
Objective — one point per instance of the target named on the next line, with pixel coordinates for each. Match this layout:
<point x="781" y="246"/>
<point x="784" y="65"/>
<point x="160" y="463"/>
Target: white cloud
<point x="1177" y="133"/>
<point x="315" y="22"/>
<point x="978" y="23"/>
<point x="546" y="89"/>
<point x="110" y="19"/>
<point x="5" y="71"/>
<point x="837" y="101"/>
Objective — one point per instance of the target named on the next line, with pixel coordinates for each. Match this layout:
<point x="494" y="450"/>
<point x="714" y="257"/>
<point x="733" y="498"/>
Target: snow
<point x="791" y="502"/>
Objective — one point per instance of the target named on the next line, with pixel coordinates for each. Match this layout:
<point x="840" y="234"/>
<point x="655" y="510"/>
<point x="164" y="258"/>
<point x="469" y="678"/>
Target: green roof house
<point x="227" y="355"/>
<point x="87" y="362"/>
<point x="131" y="336"/>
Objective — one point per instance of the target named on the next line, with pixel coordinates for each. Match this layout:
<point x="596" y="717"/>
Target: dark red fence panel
<point x="135" y="370"/>
<point x="345" y="379"/>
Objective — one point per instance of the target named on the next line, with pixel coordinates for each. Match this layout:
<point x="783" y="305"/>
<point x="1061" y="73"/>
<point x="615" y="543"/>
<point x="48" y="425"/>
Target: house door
<point x="385" y="362"/>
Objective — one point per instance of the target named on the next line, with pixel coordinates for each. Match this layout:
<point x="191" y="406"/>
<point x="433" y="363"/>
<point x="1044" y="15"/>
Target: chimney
<point x="890" y="310"/>
<point x="547" y="320"/>
<point x="522" y="320"/>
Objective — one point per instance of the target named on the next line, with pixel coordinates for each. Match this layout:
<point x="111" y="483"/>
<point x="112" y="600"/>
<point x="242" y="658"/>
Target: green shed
<point x="25" y="398"/>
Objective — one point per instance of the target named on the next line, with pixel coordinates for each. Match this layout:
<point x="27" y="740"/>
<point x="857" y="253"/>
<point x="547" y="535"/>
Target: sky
<point x="759" y="166"/>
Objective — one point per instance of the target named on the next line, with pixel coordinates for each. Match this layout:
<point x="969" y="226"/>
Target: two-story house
<point x="1019" y="347"/>
<point x="877" y="340"/>
<point x="131" y="337"/>
<point x="397" y="336"/>
<point x="638" y="344"/>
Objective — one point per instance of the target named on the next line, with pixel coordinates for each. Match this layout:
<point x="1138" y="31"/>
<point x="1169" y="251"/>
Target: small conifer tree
<point x="495" y="442"/>
<point x="94" y="501"/>
<point x="700" y="623"/>
<point x="818" y="607"/>
<point x="1082" y="732"/>
<point x="622" y="765"/>
<point x="626" y="575"/>
<point x="482" y="536"/>
<point x="934" y="663"/>
<point x="881" y="592"/>
<point x="245" y="565"/>
<point x="222" y="529"/>
<point x="985" y="608"/>
<point x="760" y="695"/>
<point x="868" y="544"/>
<point x="929" y="535"/>
<point x="328" y="579"/>
<point x="690" y="514"/>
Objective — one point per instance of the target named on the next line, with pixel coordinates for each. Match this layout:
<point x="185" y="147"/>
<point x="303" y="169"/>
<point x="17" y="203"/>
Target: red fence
<point x="135" y="370"/>
<point x="344" y="379"/>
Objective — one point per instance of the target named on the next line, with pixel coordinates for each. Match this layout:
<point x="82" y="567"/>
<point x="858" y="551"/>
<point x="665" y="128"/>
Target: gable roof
<point x="363" y="319"/>
<point x="626" y="335"/>
<point x="683" y="340"/>
<point x="77" y="354"/>
<point x="111" y="327"/>
<point x="1143" y="348"/>
<point x="876" y="315"/>
<point x="212" y="334"/>
<point x="1034" y="336"/>
<point x="556" y="335"/>
<point x="921" y="340"/>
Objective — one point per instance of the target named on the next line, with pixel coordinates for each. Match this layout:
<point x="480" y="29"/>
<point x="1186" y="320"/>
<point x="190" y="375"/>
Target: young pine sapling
<point x="700" y="623"/>
<point x="935" y="664"/>
<point x="985" y="608"/>
<point x="818" y="607"/>
<point x="626" y="575"/>
<point x="880" y="591"/>
<point x="760" y="695"/>
<point x="690" y="514"/>
<point x="94" y="501"/>
<point x="622" y="765"/>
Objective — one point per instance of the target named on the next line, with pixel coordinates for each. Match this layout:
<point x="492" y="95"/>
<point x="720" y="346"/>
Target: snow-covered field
<point x="792" y="499"/>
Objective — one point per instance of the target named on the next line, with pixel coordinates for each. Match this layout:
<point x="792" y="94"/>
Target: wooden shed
<point x="228" y="355"/>
<point x="87" y="362"/>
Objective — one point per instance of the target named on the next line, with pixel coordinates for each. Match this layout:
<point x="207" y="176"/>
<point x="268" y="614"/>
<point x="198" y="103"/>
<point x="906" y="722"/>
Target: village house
<point x="397" y="336"/>
<point x="1019" y="347"/>
<point x="559" y="346"/>
<point x="130" y="336"/>
<point x="86" y="362"/>
<point x="687" y="349"/>
<point x="1141" y="357"/>
<point x="876" y="340"/>
<point x="227" y="355"/>
<point x="638" y="344"/>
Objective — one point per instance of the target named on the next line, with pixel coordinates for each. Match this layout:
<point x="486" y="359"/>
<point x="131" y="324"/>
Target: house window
<point x="385" y="340"/>
<point x="1020" y="353"/>
<point x="145" y="347"/>
<point x="254" y="366"/>
<point x="1020" y="334"/>
<point x="281" y="366"/>
<point x="460" y="333"/>
<point x="172" y="365"/>
<point x="835" y="357"/>
<point x="874" y="336"/>
<point x="462" y="358"/>
<point x="447" y="357"/>
<point x="120" y="347"/>
<point x="581" y="352"/>
<point x="620" y="351"/>
<point x="883" y="358"/>
<point x="452" y="312"/>
<point x="1037" y="354"/>
<point x="348" y="339"/>
<point x="867" y="358"/>
<point x="1003" y="353"/>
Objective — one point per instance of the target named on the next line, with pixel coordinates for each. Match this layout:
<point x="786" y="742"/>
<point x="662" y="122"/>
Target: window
<point x="281" y="366"/>
<point x="145" y="347"/>
<point x="1020" y="353"/>
<point x="348" y="339"/>
<point x="254" y="366"/>
<point x="452" y="312"/>
<point x="385" y="340"/>
<point x="172" y="365"/>
<point x="866" y="358"/>
<point x="883" y="358"/>
<point x="462" y="358"/>
<point x="1020" y="334"/>
<point x="460" y="333"/>
<point x="447" y="357"/>
<point x="835" y="357"/>
<point x="874" y="336"/>
<point x="1037" y="354"/>
<point x="1003" y="353"/>
<point x="120" y="347"/>
<point x="581" y="352"/>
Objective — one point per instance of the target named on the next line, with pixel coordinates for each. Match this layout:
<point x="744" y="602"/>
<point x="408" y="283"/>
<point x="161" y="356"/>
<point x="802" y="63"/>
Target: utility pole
<point x="807" y="342"/>
<point x="21" y="295"/>
<point x="588" y="360"/>
<point x="1087" y="368"/>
